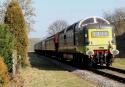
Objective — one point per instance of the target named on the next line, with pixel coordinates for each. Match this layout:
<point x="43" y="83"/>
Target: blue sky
<point x="48" y="11"/>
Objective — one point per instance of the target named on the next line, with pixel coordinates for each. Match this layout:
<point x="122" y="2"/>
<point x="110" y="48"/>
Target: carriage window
<point x="64" y="36"/>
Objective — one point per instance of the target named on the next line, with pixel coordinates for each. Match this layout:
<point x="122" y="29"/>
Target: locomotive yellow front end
<point x="99" y="41"/>
<point x="102" y="45"/>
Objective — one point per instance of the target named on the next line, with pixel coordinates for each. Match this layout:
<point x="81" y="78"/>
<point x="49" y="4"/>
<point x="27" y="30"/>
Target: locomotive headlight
<point x="90" y="52"/>
<point x="114" y="52"/>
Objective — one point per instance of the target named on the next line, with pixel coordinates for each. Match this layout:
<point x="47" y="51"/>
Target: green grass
<point x="46" y="74"/>
<point x="119" y="62"/>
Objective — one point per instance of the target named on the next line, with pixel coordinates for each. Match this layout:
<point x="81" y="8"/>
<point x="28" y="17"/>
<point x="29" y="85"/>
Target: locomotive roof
<point x="99" y="26"/>
<point x="92" y="20"/>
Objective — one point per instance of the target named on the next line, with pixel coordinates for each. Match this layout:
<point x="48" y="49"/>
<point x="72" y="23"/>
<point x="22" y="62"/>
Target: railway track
<point x="106" y="77"/>
<point x="117" y="69"/>
<point x="111" y="73"/>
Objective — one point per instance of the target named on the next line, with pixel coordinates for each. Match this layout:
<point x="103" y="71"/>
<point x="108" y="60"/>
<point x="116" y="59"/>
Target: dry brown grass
<point x="34" y="77"/>
<point x="119" y="62"/>
<point x="45" y="74"/>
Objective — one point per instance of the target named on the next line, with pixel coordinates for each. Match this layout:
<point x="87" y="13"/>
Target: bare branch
<point x="117" y="18"/>
<point x="57" y="26"/>
<point x="27" y="9"/>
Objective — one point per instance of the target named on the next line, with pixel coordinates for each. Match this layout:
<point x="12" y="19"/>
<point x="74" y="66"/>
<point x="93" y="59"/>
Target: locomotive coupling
<point x="90" y="52"/>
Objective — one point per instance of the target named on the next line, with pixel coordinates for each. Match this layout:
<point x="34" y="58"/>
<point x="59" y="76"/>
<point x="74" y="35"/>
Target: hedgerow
<point x="15" y="19"/>
<point x="6" y="45"/>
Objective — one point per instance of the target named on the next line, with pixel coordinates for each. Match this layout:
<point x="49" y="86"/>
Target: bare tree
<point x="27" y="9"/>
<point x="3" y="5"/>
<point x="57" y="26"/>
<point x="117" y="18"/>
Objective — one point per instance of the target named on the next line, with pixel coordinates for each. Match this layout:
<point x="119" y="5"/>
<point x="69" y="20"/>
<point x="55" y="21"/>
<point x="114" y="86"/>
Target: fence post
<point x="14" y="56"/>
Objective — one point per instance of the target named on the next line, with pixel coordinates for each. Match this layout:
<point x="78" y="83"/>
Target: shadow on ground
<point x="42" y="63"/>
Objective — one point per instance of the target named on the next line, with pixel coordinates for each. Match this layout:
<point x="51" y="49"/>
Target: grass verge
<point x="43" y="73"/>
<point x="119" y="62"/>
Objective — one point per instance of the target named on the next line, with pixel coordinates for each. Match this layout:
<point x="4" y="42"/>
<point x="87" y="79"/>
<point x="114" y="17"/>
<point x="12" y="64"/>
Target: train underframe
<point x="79" y="58"/>
<point x="101" y="57"/>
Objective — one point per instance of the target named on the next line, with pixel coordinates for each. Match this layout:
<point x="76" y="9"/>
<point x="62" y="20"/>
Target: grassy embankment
<point x="45" y="74"/>
<point x="119" y="62"/>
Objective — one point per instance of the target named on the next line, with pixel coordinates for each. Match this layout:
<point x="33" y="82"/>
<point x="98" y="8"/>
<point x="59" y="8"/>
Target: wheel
<point x="109" y="60"/>
<point x="101" y="62"/>
<point x="91" y="63"/>
<point x="108" y="64"/>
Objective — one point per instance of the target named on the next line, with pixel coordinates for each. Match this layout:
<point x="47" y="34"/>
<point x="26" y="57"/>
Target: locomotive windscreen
<point x="100" y="33"/>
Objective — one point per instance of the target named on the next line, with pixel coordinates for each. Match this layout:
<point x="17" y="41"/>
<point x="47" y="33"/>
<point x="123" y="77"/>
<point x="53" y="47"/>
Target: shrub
<point x="15" y="19"/>
<point x="6" y="45"/>
<point x="4" y="77"/>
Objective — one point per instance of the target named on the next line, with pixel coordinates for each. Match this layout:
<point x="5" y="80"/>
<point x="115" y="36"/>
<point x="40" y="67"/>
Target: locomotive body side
<point x="50" y="44"/>
<point x="67" y="40"/>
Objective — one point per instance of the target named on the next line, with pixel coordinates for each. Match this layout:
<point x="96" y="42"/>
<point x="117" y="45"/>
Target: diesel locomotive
<point x="90" y="42"/>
